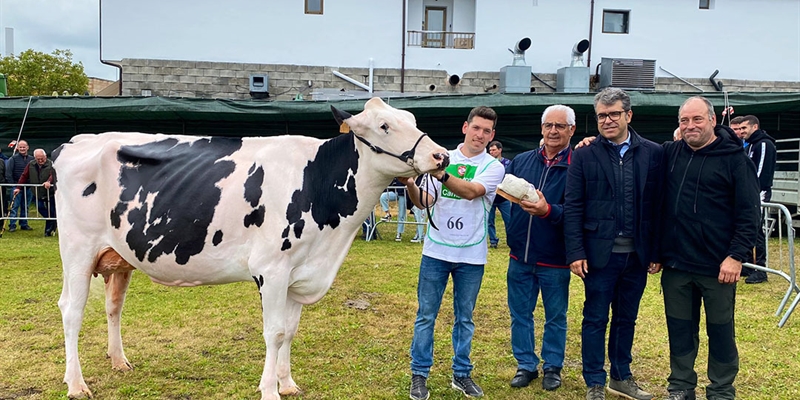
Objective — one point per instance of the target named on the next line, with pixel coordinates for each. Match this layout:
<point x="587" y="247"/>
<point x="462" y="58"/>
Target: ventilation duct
<point x="516" y="78"/>
<point x="575" y="78"/>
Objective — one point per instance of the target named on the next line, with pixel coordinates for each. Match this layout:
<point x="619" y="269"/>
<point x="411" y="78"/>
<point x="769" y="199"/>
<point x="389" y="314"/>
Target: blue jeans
<point x="433" y="277"/>
<point x="386" y="197"/>
<point x="20" y="207"/>
<point x="419" y="216"/>
<point x="524" y="283"/>
<point x="505" y="213"/>
<point x="619" y="284"/>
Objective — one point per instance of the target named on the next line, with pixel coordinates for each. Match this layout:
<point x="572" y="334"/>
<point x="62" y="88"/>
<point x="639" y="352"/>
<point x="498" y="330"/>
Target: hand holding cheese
<point x="517" y="189"/>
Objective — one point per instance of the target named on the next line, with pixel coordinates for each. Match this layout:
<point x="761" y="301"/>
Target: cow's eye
<point x="385" y="128"/>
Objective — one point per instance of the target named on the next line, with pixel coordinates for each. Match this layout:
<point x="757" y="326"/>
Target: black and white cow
<point x="189" y="210"/>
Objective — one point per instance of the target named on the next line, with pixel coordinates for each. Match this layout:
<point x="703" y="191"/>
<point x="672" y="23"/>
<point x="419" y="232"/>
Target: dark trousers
<point x="620" y="285"/>
<point x="5" y="204"/>
<point x="47" y="208"/>
<point x="761" y="239"/>
<point x="683" y="293"/>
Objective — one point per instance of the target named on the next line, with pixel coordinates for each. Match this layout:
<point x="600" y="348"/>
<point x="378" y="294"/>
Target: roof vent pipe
<point x="519" y="51"/>
<point x="577" y="53"/>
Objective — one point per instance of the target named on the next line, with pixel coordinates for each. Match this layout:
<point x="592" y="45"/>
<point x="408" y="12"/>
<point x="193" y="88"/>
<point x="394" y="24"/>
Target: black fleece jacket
<point x="710" y="206"/>
<point x="764" y="155"/>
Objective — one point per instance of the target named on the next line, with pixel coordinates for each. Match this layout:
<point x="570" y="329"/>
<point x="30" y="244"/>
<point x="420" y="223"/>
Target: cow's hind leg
<point x="287" y="385"/>
<point x="116" y="287"/>
<point x="75" y="292"/>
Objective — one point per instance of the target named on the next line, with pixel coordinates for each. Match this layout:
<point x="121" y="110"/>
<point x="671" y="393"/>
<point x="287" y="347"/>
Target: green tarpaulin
<point x="51" y="121"/>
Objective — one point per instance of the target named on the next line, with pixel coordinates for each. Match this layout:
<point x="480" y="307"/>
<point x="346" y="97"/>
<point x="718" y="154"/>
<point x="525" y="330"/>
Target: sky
<point x="47" y="25"/>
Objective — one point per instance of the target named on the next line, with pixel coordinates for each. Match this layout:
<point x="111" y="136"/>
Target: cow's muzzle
<point x="443" y="160"/>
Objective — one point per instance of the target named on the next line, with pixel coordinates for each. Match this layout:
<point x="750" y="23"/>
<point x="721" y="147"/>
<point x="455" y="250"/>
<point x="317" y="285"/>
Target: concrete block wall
<point x="203" y="79"/>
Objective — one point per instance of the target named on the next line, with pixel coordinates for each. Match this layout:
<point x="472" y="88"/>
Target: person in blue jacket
<point x="537" y="261"/>
<point x="610" y="225"/>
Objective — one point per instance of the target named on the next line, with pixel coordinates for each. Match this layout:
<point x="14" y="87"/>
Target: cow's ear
<point x="340" y="116"/>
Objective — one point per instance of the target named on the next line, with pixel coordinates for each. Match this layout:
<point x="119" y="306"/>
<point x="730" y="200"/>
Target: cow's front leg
<point x="273" y="288"/>
<point x="287" y="385"/>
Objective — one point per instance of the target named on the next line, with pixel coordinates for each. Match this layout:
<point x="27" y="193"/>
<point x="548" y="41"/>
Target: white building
<point x="744" y="39"/>
<point x="747" y="40"/>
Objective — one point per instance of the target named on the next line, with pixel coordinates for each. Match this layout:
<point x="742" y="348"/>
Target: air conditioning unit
<point x="259" y="86"/>
<point x="628" y="73"/>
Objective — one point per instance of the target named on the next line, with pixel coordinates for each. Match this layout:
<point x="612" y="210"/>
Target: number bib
<point x="461" y="223"/>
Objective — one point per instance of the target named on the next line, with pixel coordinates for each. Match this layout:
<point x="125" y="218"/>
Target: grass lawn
<point x="205" y="342"/>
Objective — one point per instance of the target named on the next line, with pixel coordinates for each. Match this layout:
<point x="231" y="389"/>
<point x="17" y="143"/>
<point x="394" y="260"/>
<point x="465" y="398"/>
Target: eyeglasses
<point x="559" y="127"/>
<point x="613" y="116"/>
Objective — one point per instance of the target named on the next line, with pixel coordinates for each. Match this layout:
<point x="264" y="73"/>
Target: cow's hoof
<point x="291" y="391"/>
<point x="82" y="393"/>
<point x="124" y="366"/>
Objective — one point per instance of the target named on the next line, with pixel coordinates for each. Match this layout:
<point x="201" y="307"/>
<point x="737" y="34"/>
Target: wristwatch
<point x="444" y="177"/>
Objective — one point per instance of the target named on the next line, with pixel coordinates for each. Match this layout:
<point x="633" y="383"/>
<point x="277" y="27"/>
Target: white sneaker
<point x="397" y="238"/>
<point x="416" y="239"/>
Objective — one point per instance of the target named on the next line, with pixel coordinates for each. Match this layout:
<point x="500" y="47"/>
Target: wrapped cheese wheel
<point x="517" y="189"/>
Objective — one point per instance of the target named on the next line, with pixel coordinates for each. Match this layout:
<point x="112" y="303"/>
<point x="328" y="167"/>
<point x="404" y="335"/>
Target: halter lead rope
<point x="405" y="157"/>
<point x="408" y="158"/>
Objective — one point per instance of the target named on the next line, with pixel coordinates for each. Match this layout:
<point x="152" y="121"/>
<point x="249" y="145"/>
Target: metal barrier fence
<point x="27" y="189"/>
<point x="777" y="216"/>
<point x="371" y="224"/>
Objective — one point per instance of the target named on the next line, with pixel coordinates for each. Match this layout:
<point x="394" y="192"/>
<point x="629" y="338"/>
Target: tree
<point x="34" y="73"/>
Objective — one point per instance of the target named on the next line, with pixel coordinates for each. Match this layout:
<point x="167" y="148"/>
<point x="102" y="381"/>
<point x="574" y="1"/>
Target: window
<point x="705" y="4"/>
<point x="615" y="21"/>
<point x="314" y="6"/>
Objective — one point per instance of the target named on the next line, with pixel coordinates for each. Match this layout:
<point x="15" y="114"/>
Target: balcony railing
<point x="442" y="40"/>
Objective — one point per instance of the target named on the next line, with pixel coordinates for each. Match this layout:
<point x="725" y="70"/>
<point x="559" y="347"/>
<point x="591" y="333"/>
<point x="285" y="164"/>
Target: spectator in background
<point x="676" y="134"/>
<point x="19" y="207"/>
<point x="736" y="127"/>
<point x="395" y="192"/>
<point x="537" y="261"/>
<point x="500" y="203"/>
<point x="4" y="199"/>
<point x="761" y="150"/>
<point x="419" y="217"/>
<point x="40" y="172"/>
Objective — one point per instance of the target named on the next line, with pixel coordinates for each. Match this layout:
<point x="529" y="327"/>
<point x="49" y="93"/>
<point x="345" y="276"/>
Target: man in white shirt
<point x="460" y="197"/>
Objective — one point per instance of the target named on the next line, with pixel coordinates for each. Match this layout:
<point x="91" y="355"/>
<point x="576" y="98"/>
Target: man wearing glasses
<point x="611" y="199"/>
<point x="537" y="261"/>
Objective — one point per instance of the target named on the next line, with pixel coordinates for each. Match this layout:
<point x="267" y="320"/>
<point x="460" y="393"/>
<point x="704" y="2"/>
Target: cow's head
<point x="392" y="132"/>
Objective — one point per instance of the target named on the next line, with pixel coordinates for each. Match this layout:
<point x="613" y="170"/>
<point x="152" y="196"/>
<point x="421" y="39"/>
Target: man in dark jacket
<point x="538" y="256"/>
<point x="613" y="187"/>
<point x="500" y="203"/>
<point x="14" y="167"/>
<point x="40" y="172"/>
<point x="4" y="199"/>
<point x="762" y="152"/>
<point x="710" y="224"/>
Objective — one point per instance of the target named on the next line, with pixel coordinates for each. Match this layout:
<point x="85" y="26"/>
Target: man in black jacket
<point x="4" y="199"/>
<point x="19" y="207"/>
<point x="709" y="226"/>
<point x="613" y="187"/>
<point x="761" y="150"/>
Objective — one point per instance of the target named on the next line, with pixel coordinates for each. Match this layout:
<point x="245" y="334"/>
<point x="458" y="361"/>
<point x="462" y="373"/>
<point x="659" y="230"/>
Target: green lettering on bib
<point x="462" y="171"/>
